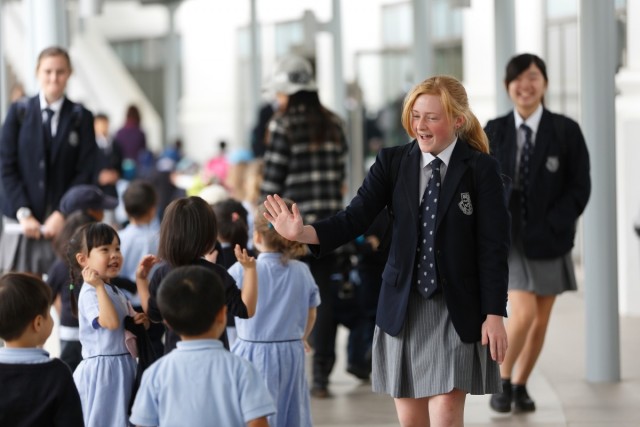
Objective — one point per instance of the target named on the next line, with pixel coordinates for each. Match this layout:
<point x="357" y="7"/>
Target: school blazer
<point x="471" y="243"/>
<point x="27" y="178"/>
<point x="559" y="180"/>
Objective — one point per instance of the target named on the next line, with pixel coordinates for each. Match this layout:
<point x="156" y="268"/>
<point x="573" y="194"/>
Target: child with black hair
<point x="229" y="391"/>
<point x="36" y="390"/>
<point x="231" y="217"/>
<point x="187" y="233"/>
<point x="106" y="375"/>
<point x="275" y="339"/>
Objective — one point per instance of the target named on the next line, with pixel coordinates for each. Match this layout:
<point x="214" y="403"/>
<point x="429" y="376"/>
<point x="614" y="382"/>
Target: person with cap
<point x="80" y="205"/>
<point x="305" y="161"/>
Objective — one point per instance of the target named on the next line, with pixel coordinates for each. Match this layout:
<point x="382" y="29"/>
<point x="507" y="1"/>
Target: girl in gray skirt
<point x="439" y="325"/>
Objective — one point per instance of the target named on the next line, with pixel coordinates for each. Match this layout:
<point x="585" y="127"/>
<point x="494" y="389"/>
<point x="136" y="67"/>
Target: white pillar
<point x="338" y="73"/>
<point x="628" y="173"/>
<point x="597" y="90"/>
<point x="4" y="98"/>
<point x="530" y="27"/>
<point x="256" y="65"/>
<point x="422" y="40"/>
<point x="171" y="78"/>
<point x="45" y="25"/>
<point x="505" y="34"/>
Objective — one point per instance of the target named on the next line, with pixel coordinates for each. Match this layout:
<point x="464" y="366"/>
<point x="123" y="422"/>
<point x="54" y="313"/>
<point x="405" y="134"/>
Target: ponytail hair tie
<point x="71" y="286"/>
<point x="234" y="216"/>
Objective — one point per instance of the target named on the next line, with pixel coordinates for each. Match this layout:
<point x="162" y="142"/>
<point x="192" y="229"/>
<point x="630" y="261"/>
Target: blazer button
<point x="41" y="184"/>
<point x="41" y="164"/>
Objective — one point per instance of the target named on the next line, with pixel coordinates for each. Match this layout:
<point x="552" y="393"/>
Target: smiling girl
<point x="106" y="375"/>
<point x="439" y="326"/>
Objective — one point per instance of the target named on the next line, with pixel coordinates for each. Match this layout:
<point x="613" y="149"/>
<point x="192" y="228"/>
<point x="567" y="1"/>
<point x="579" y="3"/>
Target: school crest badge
<point x="465" y="204"/>
<point x="552" y="163"/>
<point x="73" y="138"/>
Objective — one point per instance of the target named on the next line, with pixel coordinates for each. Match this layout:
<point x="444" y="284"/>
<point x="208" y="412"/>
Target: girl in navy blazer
<point x="47" y="146"/>
<point x="546" y="157"/>
<point x="430" y="350"/>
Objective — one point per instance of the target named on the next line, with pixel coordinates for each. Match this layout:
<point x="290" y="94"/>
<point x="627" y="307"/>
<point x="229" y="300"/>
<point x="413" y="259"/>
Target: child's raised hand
<point x="145" y="265"/>
<point x="91" y="276"/>
<point x="244" y="258"/>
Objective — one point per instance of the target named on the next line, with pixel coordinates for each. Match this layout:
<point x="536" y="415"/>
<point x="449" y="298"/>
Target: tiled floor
<point x="563" y="396"/>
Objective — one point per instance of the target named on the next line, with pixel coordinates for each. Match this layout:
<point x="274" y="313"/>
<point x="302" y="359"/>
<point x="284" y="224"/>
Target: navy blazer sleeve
<point x="11" y="180"/>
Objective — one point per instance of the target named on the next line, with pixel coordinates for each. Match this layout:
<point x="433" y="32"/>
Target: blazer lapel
<point x="63" y="129"/>
<point x="409" y="177"/>
<point x="511" y="142"/>
<point x="455" y="170"/>
<point x="540" y="149"/>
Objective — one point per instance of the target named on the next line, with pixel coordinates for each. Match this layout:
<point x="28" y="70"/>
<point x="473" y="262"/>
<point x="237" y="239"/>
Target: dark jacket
<point x="28" y="178"/>
<point x="559" y="180"/>
<point x="471" y="249"/>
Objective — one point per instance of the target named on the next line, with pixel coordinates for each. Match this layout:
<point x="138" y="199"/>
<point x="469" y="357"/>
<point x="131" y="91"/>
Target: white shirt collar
<point x="445" y="155"/>
<point x="55" y="105"/>
<point x="533" y="121"/>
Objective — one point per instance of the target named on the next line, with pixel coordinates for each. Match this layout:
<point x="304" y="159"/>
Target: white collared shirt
<point x="425" y="169"/>
<point x="55" y="106"/>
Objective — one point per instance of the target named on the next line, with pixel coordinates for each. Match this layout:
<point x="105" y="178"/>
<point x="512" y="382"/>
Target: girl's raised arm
<point x="107" y="314"/>
<point x="249" y="291"/>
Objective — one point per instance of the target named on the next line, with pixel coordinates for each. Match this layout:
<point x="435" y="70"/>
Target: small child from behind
<point x="275" y="339"/>
<point x="199" y="383"/>
<point x="36" y="390"/>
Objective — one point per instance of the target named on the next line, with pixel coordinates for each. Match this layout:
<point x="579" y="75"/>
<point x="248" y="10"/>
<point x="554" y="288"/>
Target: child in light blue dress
<point x="274" y="339"/>
<point x="106" y="375"/>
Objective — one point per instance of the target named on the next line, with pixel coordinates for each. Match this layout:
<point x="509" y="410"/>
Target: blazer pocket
<point x="390" y="275"/>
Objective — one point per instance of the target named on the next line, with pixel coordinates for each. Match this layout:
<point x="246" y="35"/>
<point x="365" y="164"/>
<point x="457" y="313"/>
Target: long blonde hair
<point x="455" y="103"/>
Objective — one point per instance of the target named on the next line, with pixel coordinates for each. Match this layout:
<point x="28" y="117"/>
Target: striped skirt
<point x="428" y="358"/>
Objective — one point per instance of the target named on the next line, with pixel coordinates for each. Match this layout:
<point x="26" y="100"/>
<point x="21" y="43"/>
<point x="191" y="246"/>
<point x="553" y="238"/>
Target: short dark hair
<point x="101" y="116"/>
<point x="139" y="198"/>
<point x="190" y="298"/>
<point x="23" y="296"/>
<point x="519" y="63"/>
<point x="232" y="222"/>
<point x="188" y="231"/>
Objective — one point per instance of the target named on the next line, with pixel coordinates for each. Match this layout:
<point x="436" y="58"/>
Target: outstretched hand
<point x="288" y="223"/>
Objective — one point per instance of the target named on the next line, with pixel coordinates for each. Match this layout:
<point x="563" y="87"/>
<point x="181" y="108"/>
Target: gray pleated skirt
<point x="542" y="277"/>
<point x="428" y="358"/>
<point x="17" y="253"/>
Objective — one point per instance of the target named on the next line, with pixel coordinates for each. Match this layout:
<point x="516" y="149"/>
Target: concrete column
<point x="171" y="78"/>
<point x="530" y="26"/>
<point x="45" y="25"/>
<point x="597" y="64"/>
<point x="505" y="33"/>
<point x="256" y="66"/>
<point x="628" y="173"/>
<point x="4" y="98"/>
<point x="422" y="40"/>
<point x="338" y="73"/>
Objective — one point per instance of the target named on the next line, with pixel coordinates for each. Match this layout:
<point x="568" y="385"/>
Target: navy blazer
<point x="559" y="180"/>
<point x="471" y="245"/>
<point x="28" y="179"/>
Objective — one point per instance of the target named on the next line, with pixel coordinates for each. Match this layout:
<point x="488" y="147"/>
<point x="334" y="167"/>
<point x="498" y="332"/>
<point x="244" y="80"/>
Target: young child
<point x="231" y="218"/>
<point x="106" y="375"/>
<point x="274" y="340"/>
<point x="199" y="383"/>
<point x="187" y="233"/>
<point x="80" y="205"/>
<point x="36" y="390"/>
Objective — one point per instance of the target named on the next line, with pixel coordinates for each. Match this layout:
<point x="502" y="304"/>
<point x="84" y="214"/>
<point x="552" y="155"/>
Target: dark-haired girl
<point x="546" y="157"/>
<point x="107" y="372"/>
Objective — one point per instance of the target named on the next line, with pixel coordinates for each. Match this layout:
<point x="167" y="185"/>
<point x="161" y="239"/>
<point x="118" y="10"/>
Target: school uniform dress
<point x="428" y="346"/>
<point x="37" y="390"/>
<point x="37" y="169"/>
<point x="106" y="374"/>
<point x="272" y="338"/>
<point x="201" y="384"/>
<point x="558" y="190"/>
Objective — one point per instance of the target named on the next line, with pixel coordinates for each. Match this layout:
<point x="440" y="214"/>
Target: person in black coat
<point x="47" y="146"/>
<point x="545" y="156"/>
<point x="442" y="337"/>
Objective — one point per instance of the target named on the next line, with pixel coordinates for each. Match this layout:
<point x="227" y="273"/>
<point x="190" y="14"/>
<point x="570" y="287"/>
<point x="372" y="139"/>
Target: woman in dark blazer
<point x="546" y="157"/>
<point x="430" y="348"/>
<point x="47" y="146"/>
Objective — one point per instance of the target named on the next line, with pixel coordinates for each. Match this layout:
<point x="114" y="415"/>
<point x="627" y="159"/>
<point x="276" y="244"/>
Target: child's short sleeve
<point x="236" y="271"/>
<point x="145" y="410"/>
<point x="255" y="399"/>
<point x="88" y="304"/>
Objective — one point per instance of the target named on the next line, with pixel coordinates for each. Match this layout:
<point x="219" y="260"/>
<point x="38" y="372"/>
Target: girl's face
<point x="433" y="129"/>
<point x="106" y="260"/>
<point x="527" y="90"/>
<point x="53" y="73"/>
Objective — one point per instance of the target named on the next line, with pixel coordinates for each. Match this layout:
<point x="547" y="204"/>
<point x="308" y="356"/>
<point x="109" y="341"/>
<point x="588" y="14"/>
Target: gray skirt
<point x="428" y="358"/>
<point x="545" y="277"/>
<point x="17" y="253"/>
